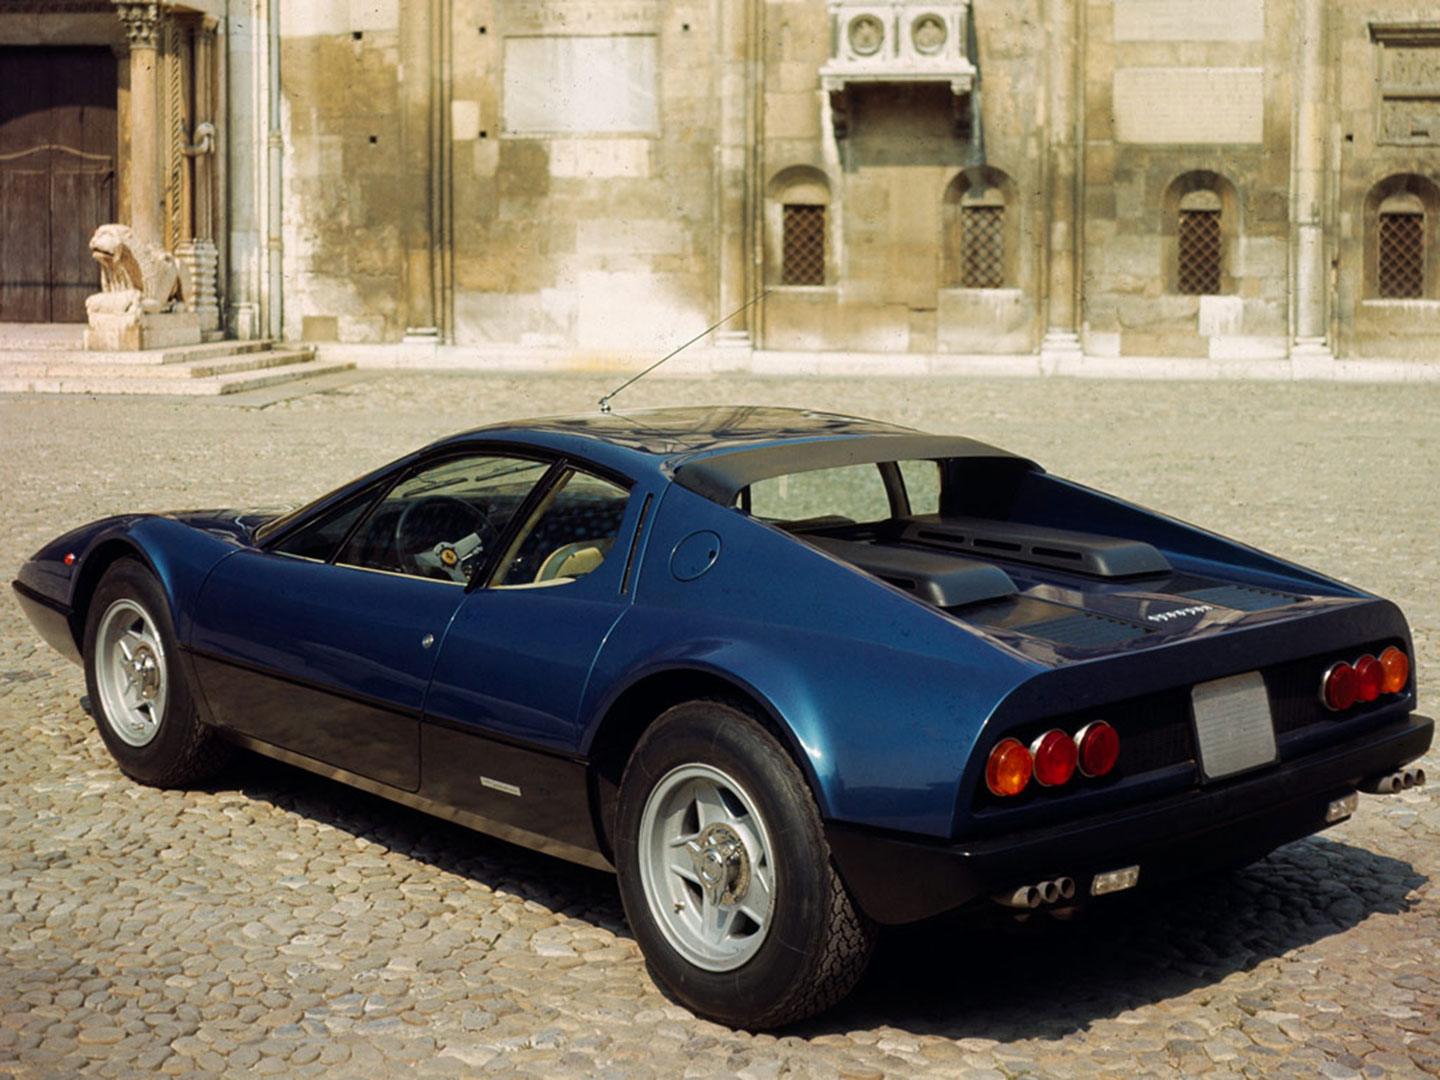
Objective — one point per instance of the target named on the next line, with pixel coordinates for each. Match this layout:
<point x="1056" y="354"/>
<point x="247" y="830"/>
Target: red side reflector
<point x="1369" y="677"/>
<point x="1397" y="670"/>
<point x="1008" y="770"/>
<point x="1339" y="687"/>
<point x="1098" y="746"/>
<point x="1055" y="756"/>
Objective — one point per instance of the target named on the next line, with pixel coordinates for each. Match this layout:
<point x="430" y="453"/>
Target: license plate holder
<point x="1234" y="732"/>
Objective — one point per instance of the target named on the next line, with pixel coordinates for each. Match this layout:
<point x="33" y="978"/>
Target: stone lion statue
<point x="136" y="277"/>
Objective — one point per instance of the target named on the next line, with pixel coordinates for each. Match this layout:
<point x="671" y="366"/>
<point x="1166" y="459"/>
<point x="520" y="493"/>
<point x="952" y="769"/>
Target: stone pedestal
<point x="129" y="332"/>
<point x="201" y="260"/>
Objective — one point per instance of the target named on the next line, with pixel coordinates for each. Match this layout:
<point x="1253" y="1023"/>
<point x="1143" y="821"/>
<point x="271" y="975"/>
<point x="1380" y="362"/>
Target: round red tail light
<point x="1369" y="677"/>
<point x="1340" y="687"/>
<point x="1397" y="670"/>
<point x="1098" y="747"/>
<point x="1055" y="756"/>
<point x="1008" y="770"/>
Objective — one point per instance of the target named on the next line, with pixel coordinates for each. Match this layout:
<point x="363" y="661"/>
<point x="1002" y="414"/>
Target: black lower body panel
<point x="899" y="879"/>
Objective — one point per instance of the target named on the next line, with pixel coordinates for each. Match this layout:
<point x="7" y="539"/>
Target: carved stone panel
<point x="1409" y="61"/>
<point x="903" y="41"/>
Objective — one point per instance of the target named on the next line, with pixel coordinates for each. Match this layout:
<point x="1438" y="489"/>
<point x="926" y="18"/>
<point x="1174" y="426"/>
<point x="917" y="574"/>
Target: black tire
<point x="139" y="694"/>
<point x="795" y="943"/>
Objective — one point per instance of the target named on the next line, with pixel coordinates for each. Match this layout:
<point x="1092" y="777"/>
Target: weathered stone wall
<point x="1385" y="148"/>
<point x="1168" y="112"/>
<point x="601" y="177"/>
<point x="345" y="182"/>
<point x="887" y="180"/>
<point x="580" y="195"/>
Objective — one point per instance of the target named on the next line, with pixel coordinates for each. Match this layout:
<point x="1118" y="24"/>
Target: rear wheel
<point x="726" y="876"/>
<point x="142" y="702"/>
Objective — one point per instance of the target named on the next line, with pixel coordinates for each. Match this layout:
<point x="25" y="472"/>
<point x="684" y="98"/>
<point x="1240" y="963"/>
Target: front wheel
<point x="726" y="876"/>
<point x="142" y="702"/>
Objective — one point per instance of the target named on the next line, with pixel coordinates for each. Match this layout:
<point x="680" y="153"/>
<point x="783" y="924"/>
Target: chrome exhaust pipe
<point x="1049" y="891"/>
<point x="1066" y="885"/>
<point x="1025" y="898"/>
<point x="1419" y="774"/>
<point x="1388" y="784"/>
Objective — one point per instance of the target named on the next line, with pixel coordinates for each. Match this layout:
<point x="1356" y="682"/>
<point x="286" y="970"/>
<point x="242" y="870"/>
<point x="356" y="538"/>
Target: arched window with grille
<point x="800" y="226"/>
<point x="978" y="246"/>
<point x="1400" y="251"/>
<point x="1199" y="251"/>
<point x="803" y="261"/>
<point x="1400" y="254"/>
<point x="1200" y="225"/>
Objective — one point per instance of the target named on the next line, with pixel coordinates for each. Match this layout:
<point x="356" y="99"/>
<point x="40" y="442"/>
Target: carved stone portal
<point x="142" y="288"/>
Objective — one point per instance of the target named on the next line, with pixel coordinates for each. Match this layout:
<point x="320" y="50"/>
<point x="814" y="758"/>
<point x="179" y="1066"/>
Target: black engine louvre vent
<point x="1081" y="553"/>
<point x="1241" y="597"/>
<point x="1083" y="630"/>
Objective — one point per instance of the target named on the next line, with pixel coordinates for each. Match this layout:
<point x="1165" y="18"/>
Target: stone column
<point x="734" y="286"/>
<point x="1309" y="149"/>
<point x="418" y="168"/>
<point x="1062" y="339"/>
<point x="142" y="28"/>
<point x="198" y="253"/>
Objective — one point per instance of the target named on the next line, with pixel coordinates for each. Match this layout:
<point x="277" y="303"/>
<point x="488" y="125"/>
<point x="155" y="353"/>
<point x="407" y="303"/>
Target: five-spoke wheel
<point x="130" y="672"/>
<point x="725" y="873"/>
<point x="707" y="867"/>
<point x="142" y="701"/>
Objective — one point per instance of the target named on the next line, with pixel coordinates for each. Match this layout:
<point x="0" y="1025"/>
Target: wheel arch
<point x="634" y="709"/>
<point x="97" y="561"/>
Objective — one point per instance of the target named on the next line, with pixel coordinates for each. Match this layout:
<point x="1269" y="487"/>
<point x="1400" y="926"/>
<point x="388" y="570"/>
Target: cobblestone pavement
<point x="278" y="924"/>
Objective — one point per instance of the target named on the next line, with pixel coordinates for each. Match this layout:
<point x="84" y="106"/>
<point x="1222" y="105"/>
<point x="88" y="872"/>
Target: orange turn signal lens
<point x="1008" y="770"/>
<point x="1397" y="670"/>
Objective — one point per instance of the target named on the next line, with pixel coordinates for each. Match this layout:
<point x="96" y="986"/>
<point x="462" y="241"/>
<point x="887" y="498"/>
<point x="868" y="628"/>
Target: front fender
<point x="180" y="557"/>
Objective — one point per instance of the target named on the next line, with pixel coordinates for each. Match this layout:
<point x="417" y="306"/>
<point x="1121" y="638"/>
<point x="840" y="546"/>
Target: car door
<point x="501" y="727"/>
<point x="324" y="643"/>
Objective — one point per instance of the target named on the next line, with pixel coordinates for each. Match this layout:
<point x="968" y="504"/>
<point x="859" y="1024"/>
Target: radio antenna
<point x="605" y="401"/>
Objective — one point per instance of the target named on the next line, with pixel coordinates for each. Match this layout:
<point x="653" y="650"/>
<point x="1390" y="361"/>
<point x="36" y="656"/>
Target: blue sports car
<point x="791" y="675"/>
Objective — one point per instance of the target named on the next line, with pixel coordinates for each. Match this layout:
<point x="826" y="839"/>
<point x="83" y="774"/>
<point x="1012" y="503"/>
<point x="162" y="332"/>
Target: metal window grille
<point x="804" y="243"/>
<point x="982" y="247"/>
<point x="1199" y="251"/>
<point x="1402" y="255"/>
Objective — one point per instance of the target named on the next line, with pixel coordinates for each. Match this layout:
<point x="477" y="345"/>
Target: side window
<point x="922" y="485"/>
<point x="850" y="492"/>
<point x="441" y="521"/>
<point x="319" y="539"/>
<point x="568" y="535"/>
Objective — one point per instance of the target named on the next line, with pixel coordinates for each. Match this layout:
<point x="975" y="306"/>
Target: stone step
<point x="102" y="366"/>
<point x="179" y="354"/>
<point x="227" y="383"/>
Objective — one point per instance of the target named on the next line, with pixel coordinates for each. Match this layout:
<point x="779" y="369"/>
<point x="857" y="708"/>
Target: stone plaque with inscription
<point x="1189" y="105"/>
<point x="1183" y="20"/>
<point x="581" y="16"/>
<point x="562" y="84"/>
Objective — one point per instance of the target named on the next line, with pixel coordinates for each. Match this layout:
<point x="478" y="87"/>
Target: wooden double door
<point x="57" y="177"/>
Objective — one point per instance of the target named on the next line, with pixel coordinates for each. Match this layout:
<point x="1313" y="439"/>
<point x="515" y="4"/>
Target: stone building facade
<point x="575" y="180"/>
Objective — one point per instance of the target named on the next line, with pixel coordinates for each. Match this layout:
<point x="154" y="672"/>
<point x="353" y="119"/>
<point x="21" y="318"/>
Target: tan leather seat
<point x="571" y="560"/>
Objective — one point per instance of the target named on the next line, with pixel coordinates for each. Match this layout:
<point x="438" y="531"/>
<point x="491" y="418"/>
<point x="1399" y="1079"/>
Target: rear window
<point x="846" y="494"/>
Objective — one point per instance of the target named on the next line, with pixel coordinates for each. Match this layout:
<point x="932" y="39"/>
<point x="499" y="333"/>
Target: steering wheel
<point x="434" y="515"/>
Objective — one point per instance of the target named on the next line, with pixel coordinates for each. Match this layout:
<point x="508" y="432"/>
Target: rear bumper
<point x="898" y="879"/>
